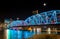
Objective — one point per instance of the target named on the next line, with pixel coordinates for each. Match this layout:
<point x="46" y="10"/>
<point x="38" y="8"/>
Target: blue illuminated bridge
<point x="28" y="27"/>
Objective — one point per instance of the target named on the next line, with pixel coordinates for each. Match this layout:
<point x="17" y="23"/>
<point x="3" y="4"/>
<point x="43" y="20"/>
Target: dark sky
<point x="24" y="8"/>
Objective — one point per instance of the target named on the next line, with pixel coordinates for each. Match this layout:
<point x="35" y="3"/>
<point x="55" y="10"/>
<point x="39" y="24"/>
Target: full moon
<point x="44" y="4"/>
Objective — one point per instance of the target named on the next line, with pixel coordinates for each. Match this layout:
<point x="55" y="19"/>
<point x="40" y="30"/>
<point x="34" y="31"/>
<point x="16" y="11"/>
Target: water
<point x="19" y="34"/>
<point x="23" y="34"/>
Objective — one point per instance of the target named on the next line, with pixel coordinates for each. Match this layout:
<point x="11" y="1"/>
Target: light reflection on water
<point x="24" y="34"/>
<point x="19" y="34"/>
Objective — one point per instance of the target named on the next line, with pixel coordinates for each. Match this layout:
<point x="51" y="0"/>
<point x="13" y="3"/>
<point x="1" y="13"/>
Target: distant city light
<point x="17" y="18"/>
<point x="49" y="31"/>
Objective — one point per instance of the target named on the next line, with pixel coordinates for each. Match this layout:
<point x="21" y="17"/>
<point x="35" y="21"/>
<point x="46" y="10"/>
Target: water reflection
<point x="19" y="34"/>
<point x="24" y="34"/>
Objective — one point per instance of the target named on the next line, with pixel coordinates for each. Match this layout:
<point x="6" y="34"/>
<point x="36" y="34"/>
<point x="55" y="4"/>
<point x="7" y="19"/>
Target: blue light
<point x="38" y="19"/>
<point x="44" y="18"/>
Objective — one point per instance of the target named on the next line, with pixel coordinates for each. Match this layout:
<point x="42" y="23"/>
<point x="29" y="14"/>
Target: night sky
<point x="24" y="8"/>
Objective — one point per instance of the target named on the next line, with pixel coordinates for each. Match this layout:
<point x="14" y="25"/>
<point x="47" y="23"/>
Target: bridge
<point x="48" y="21"/>
<point x="44" y="19"/>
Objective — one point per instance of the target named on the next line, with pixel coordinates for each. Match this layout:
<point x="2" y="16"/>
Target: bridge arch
<point x="17" y="23"/>
<point x="49" y="17"/>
